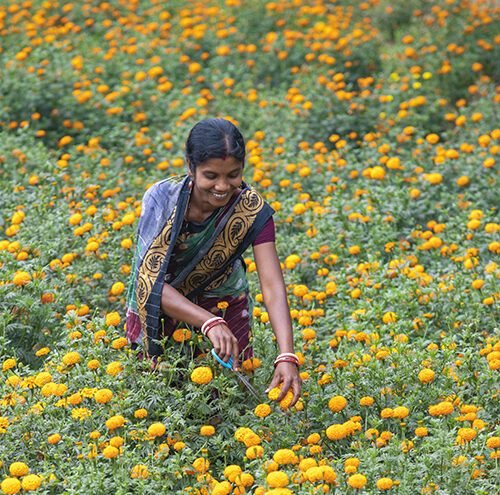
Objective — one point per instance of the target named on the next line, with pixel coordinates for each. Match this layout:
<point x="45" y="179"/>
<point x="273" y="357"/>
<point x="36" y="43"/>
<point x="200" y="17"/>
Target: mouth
<point x="219" y="196"/>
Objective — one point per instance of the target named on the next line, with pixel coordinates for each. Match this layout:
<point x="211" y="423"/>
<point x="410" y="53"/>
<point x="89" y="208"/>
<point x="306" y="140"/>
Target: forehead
<point x="220" y="166"/>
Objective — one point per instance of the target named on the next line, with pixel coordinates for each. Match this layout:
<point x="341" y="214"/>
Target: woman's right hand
<point x="225" y="343"/>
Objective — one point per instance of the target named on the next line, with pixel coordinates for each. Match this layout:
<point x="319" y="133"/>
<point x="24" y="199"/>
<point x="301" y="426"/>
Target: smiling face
<point x="215" y="182"/>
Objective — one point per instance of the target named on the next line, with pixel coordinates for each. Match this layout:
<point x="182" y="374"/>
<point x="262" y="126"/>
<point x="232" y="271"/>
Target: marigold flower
<point x="10" y="486"/>
<point x="385" y="483"/>
<point x="115" y="422"/>
<point x="442" y="409"/>
<point x="181" y="334"/>
<point x="366" y="401"/>
<point x="119" y="343"/>
<point x="400" y="412"/>
<point x="201" y="375"/>
<point x="93" y="364"/>
<point x="110" y="452"/>
<point x="156" y="429"/>
<point x="140" y="413"/>
<point x="421" y="431"/>
<point x="139" y="471"/>
<point x="285" y="456"/>
<point x="337" y="403"/>
<point x="103" y="396"/>
<point x="232" y="471"/>
<point x="8" y="364"/>
<point x="357" y="480"/>
<point x="262" y="410"/>
<point x="53" y="439"/>
<point x="114" y="368"/>
<point x="277" y="479"/>
<point x="18" y="469"/>
<point x="426" y="375"/>
<point x="207" y="430"/>
<point x="21" y="278"/>
<point x="254" y="451"/>
<point x="113" y="319"/>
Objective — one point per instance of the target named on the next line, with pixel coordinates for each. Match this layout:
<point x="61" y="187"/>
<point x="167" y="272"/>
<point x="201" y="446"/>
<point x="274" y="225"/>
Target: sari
<point x="203" y="263"/>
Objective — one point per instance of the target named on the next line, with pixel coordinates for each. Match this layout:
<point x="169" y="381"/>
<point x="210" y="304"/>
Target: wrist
<point x="287" y="357"/>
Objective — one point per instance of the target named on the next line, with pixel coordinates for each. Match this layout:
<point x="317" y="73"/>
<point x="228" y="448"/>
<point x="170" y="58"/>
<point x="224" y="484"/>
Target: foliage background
<point x="372" y="129"/>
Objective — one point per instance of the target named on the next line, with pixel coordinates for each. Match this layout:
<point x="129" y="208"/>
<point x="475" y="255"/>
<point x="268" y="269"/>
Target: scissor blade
<point x="249" y="386"/>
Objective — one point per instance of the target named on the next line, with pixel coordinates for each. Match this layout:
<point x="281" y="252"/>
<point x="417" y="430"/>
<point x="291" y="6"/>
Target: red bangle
<point x="286" y="360"/>
<point x="209" y="327"/>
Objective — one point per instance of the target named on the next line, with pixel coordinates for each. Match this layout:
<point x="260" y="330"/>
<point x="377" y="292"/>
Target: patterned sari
<point x="203" y="262"/>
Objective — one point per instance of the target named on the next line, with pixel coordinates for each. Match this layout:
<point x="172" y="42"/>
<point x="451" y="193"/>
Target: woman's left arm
<point x="275" y="300"/>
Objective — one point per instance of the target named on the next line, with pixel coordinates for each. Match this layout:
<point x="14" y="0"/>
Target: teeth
<point x="219" y="196"/>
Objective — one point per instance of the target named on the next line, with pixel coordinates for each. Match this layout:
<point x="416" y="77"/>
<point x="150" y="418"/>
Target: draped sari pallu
<point x="211" y="271"/>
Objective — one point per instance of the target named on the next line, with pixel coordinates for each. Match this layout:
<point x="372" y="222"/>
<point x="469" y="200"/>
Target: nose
<point x="222" y="185"/>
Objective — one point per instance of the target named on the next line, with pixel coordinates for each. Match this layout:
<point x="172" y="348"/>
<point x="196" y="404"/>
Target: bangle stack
<point x="287" y="357"/>
<point x="210" y="323"/>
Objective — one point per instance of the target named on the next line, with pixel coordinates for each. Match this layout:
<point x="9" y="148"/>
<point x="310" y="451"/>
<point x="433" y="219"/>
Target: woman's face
<point x="215" y="181"/>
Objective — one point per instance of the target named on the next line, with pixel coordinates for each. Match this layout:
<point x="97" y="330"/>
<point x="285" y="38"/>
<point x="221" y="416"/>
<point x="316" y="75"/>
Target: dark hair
<point x="214" y="138"/>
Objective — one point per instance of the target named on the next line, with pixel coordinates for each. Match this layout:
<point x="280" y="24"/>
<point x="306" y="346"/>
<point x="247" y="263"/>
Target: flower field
<point x="372" y="129"/>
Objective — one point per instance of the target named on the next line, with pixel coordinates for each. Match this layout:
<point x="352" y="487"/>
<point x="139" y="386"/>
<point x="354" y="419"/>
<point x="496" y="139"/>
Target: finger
<point x="284" y="389"/>
<point x="235" y="352"/>
<point x="274" y="383"/>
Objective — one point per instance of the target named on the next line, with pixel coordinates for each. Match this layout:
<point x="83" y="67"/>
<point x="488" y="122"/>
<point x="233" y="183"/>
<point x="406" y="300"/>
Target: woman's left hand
<point x="288" y="374"/>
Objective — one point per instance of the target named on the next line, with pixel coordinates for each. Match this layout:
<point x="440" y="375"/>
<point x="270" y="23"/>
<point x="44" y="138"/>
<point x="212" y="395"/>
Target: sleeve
<point x="267" y="234"/>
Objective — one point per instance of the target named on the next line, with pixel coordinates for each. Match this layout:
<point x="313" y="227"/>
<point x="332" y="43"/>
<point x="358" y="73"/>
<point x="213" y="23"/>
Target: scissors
<point x="229" y="366"/>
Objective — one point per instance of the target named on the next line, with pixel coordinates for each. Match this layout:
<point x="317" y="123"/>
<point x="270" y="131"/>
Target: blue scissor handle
<point x="228" y="365"/>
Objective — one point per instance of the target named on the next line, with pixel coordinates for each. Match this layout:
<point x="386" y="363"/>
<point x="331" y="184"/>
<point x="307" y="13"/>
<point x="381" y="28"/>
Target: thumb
<point x="274" y="383"/>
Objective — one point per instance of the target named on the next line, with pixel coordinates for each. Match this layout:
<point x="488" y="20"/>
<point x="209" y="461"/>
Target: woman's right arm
<point x="178" y="307"/>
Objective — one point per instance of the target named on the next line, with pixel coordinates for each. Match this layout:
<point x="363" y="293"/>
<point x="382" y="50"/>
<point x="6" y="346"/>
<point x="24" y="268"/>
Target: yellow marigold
<point x="426" y="375"/>
<point x="109" y="452"/>
<point x="93" y="364"/>
<point x="274" y="393"/>
<point x="201" y="375"/>
<point x="300" y="290"/>
<point x="400" y="412"/>
<point x="223" y="488"/>
<point x="389" y="317"/>
<point x="181" y="334"/>
<point x="113" y="319"/>
<point x="277" y="479"/>
<point x="285" y="456"/>
<point x="103" y="396"/>
<point x="313" y="438"/>
<point x="385" y="483"/>
<point x="336" y="432"/>
<point x="254" y="452"/>
<point x="467" y="434"/>
<point x="115" y="422"/>
<point x="55" y="438"/>
<point x="21" y="278"/>
<point x="156" y="429"/>
<point x="442" y="409"/>
<point x="119" y="343"/>
<point x="31" y="483"/>
<point x="139" y="471"/>
<point x="337" y="403"/>
<point x="207" y="430"/>
<point x="387" y="413"/>
<point x="18" y="469"/>
<point x="262" y="410"/>
<point x="493" y="442"/>
<point x="114" y="368"/>
<point x="421" y="431"/>
<point x="232" y="471"/>
<point x="71" y="358"/>
<point x="366" y="401"/>
<point x="251" y="364"/>
<point x="8" y="364"/>
<point x="117" y="288"/>
<point x="140" y="413"/>
<point x="10" y="486"/>
<point x="357" y="480"/>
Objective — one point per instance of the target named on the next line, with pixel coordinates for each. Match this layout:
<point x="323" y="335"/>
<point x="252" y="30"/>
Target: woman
<point x="188" y="265"/>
